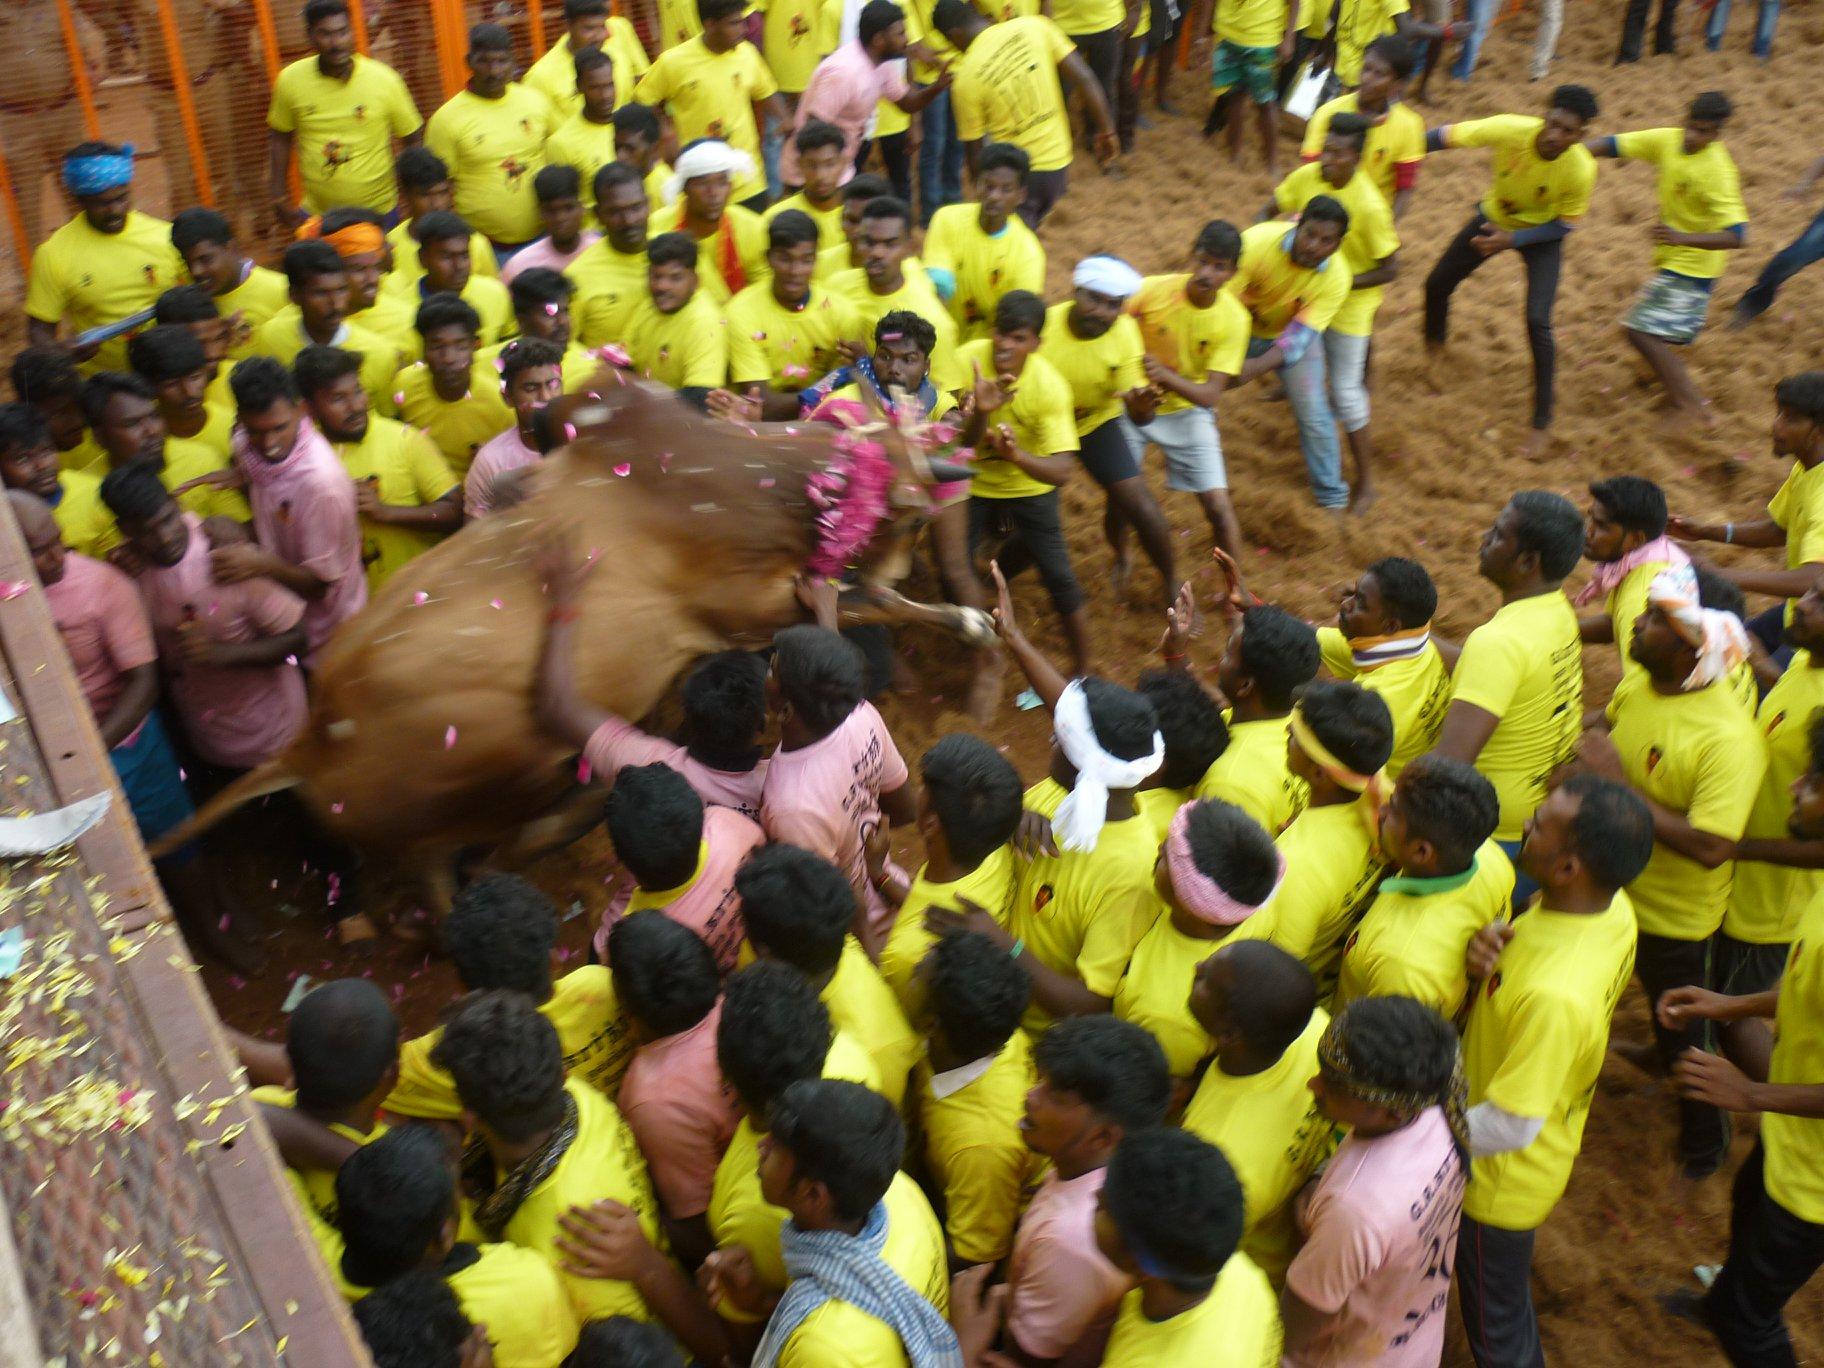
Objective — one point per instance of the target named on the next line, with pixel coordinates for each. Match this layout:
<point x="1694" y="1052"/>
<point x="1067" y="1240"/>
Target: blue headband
<point x="97" y="173"/>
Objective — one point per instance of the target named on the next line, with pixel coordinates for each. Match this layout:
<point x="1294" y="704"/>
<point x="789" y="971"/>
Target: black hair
<point x="490" y="38"/>
<point x="1000" y="156"/>
<point x="664" y="973"/>
<point x="1449" y="804"/>
<point x="167" y="351"/>
<point x="1353" y="723"/>
<point x="622" y="1342"/>
<point x="978" y="993"/>
<point x="885" y="207"/>
<point x="1712" y="106"/>
<point x="672" y="249"/>
<point x="528" y="353"/>
<point x="441" y="225"/>
<point x="633" y="117"/>
<point x="820" y="673"/>
<point x="910" y="327"/>
<point x="1635" y="504"/>
<point x="840" y="1134"/>
<point x="557" y="183"/>
<point x="1326" y="209"/>
<point x="1550" y="526"/>
<point x="1270" y="995"/>
<point x="1232" y="848"/>
<point x="1396" y="52"/>
<point x="797" y="906"/>
<point x="1575" y="99"/>
<point x="1612" y="831"/>
<point x="709" y="11"/>
<point x="584" y="9"/>
<point x="185" y="304"/>
<point x="1351" y="126"/>
<point x="533" y="289"/>
<point x="1713" y="591"/>
<point x="132" y="492"/>
<point x="655" y="820"/>
<point x="955" y="16"/>
<point x="259" y="382"/>
<point x="877" y="16"/>
<point x="307" y="261"/>
<point x="447" y="309"/>
<point x="791" y="227"/>
<point x="341" y="1041"/>
<point x="22" y="428"/>
<point x="1802" y="394"/>
<point x="818" y="133"/>
<point x="414" y="1321"/>
<point x="1398" y="1043"/>
<point x="1177" y="1205"/>
<point x="45" y="374"/>
<point x="1279" y="653"/>
<point x="197" y="225"/>
<point x="724" y="701"/>
<point x="393" y="1197"/>
<point x="347" y="216"/>
<point x="1189" y="721"/>
<point x="1124" y="721"/>
<point x="317" y="368"/>
<point x="1115" y="1068"/>
<point x="1019" y="309"/>
<point x="420" y="169"/>
<point x="588" y="60"/>
<point x="102" y="387"/>
<point x="774" y="1031"/>
<point x="616" y="172"/>
<point x="1219" y="239"/>
<point x="1406" y="589"/>
<point x="975" y="795"/>
<point x="499" y="934"/>
<point x="507" y="1063"/>
<point x="866" y="186"/>
<point x="316" y="11"/>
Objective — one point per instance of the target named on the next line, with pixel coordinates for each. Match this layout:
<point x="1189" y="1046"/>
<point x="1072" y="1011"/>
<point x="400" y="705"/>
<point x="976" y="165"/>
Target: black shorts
<point x="1033" y="537"/>
<point x="1106" y="455"/>
<point x="1740" y="968"/>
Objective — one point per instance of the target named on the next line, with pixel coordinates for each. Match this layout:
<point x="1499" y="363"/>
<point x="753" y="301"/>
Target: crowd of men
<point x="1272" y="1011"/>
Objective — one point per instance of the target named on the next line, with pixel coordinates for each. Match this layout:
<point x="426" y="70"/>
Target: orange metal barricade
<point x="85" y="93"/>
<point x="185" y="94"/>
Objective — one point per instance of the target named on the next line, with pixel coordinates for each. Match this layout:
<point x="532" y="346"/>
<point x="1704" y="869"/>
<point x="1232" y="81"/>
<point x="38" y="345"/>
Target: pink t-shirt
<point x="545" y="253"/>
<point x="504" y="453"/>
<point x="1059" y="1285"/>
<point x="845" y="90"/>
<point x="618" y="743"/>
<point x="682" y="1113"/>
<point x="826" y="797"/>
<point x="103" y="628"/>
<point x="1382" y="1238"/>
<point x="707" y="904"/>
<point x="236" y="716"/>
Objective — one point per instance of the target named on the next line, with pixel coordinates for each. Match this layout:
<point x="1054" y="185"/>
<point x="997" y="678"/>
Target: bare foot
<point x="1539" y="445"/>
<point x="1122" y="572"/>
<point x="1362" y="500"/>
<point x="984" y="698"/>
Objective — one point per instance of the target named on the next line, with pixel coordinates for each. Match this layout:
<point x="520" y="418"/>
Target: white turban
<point x="710" y="157"/>
<point x="1107" y="275"/>
<point x="1719" y="637"/>
<point x="1079" y="818"/>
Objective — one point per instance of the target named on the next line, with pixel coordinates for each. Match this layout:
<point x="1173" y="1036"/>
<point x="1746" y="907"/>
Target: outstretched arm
<point x="1047" y="680"/>
<point x="559" y="707"/>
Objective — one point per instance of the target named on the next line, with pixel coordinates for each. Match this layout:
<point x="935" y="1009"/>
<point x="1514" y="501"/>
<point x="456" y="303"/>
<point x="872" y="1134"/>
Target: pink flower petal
<point x="449" y="737"/>
<point x="421" y="597"/>
<point x="624" y="469"/>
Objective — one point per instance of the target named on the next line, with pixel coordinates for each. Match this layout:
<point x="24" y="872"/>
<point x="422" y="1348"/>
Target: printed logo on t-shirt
<point x="1041" y="900"/>
<point x="1654" y="755"/>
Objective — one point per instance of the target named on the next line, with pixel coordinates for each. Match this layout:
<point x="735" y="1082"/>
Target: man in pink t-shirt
<point x="1372" y="1280"/>
<point x="850" y="83"/>
<point x="681" y="1110"/>
<point x="531" y="376"/>
<point x="229" y="652"/>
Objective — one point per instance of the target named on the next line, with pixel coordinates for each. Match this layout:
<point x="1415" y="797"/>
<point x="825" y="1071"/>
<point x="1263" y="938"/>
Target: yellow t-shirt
<point x="494" y="148"/>
<point x="1766" y="900"/>
<point x="393" y="318"/>
<point x="990" y="885"/>
<point x="1698" y="193"/>
<point x="790" y="39"/>
<point x="316" y="1188"/>
<point x="407" y="270"/>
<point x="712" y="95"/>
<point x="1333" y="862"/>
<point x="1528" y="190"/>
<point x="1099" y="370"/>
<point x="1250" y="23"/>
<point x="1082" y="912"/>
<point x="83" y="519"/>
<point x="89" y="458"/>
<point x="1269" y="1128"/>
<point x="977" y="1152"/>
<point x="1700" y="754"/>
<point x="1192" y="341"/>
<point x="1155" y="991"/>
<point x="1277" y="291"/>
<point x="554" y="76"/>
<point x="608" y="285"/>
<point x="679" y="22"/>
<point x="948" y="370"/>
<point x="82" y="278"/>
<point x="519" y="1296"/>
<point x="1416" y="692"/>
<point x="1369" y="241"/>
<point x="1040" y="416"/>
<point x="1538" y="1030"/>
<point x="1159" y="806"/>
<point x="579" y="366"/>
<point x="1795" y="1144"/>
<point x="1007" y="90"/>
<point x="587" y="147"/>
<point x="1411" y="940"/>
<point x="828" y="221"/>
<point x="257" y="298"/>
<point x="1237" y="1326"/>
<point x="344" y="131"/>
<point x="458" y="430"/>
<point x="864" y="1008"/>
<point x="1525" y="666"/>
<point x="682" y="349"/>
<point x="590" y="1029"/>
<point x="1359" y="23"/>
<point x="408" y="470"/>
<point x="1395" y="140"/>
<point x="1624" y="605"/>
<point x="1798" y="507"/>
<point x="1087" y="16"/>
<point x="283" y="338"/>
<point x="1251" y="773"/>
<point x="985" y="266"/>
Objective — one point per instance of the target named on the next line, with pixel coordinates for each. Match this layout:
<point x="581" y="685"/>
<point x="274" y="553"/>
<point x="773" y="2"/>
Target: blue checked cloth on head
<point x="96" y="174"/>
<point x="828" y="1265"/>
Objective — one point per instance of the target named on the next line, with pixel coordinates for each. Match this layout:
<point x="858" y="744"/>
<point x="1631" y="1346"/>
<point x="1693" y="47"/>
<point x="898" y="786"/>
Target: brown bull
<point x="422" y="738"/>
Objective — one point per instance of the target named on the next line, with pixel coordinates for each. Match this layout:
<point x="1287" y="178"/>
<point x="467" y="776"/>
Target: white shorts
<point x="1193" y="451"/>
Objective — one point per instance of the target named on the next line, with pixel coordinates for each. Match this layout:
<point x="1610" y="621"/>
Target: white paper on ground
<point x="44" y="832"/>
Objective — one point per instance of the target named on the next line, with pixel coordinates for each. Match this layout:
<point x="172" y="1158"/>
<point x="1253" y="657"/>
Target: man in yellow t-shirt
<point x="28" y="462"/>
<point x="1007" y="90"/>
<point x="821" y="166"/>
<point x="318" y="315"/>
<point x="1624" y="538"/>
<point x="1701" y="218"/>
<point x="676" y="335"/>
<point x="1546" y="986"/>
<point x="1268" y="658"/>
<point x="783" y="331"/>
<point x="588" y="28"/>
<point x="107" y="264"/>
<point x="731" y="240"/>
<point x="452" y="396"/>
<point x="1542" y="184"/>
<point x="340" y="112"/>
<point x="245" y="294"/>
<point x="890" y="278"/>
<point x="584" y="141"/>
<point x="492" y="133"/>
<point x="1382" y="641"/>
<point x="610" y="277"/>
<point x="975" y="253"/>
<point x="128" y="421"/>
<point x="197" y="432"/>
<point x="1396" y="131"/>
<point x="425" y="188"/>
<point x="445" y="255"/>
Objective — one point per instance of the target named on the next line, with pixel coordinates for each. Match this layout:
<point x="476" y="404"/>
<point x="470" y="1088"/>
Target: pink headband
<point x="1202" y="896"/>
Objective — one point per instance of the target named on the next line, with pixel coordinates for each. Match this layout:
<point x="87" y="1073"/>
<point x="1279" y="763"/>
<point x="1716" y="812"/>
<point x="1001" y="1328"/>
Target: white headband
<point x="1078" y="821"/>
<point x="1107" y="275"/>
<point x="710" y="157"/>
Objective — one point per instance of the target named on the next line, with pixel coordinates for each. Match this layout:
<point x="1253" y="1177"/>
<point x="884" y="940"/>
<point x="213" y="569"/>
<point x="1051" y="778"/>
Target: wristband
<point x="1169" y="658"/>
<point x="1729" y="533"/>
<point x="563" y="612"/>
<point x="1019" y="944"/>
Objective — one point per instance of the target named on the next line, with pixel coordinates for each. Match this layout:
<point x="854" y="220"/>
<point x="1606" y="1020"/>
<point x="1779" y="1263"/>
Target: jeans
<point x="1545" y="41"/>
<point x="1346" y="357"/>
<point x="1481" y="19"/>
<point x="1772" y="1254"/>
<point x="940" y="159"/>
<point x="1308" y="391"/>
<point x="1794" y="257"/>
<point x="1494" y="1276"/>
<point x="1542" y="261"/>
<point x="1634" y="29"/>
<point x="1663" y="964"/>
<point x="1764" y="24"/>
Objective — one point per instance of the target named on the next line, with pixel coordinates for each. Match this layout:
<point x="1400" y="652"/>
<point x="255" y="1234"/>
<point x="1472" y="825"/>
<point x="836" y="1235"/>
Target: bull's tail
<point x="271" y="777"/>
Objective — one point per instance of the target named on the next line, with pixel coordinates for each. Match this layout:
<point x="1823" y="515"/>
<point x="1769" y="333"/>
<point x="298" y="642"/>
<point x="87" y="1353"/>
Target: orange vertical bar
<point x="79" y="69"/>
<point x="357" y="20"/>
<point x="535" y="16"/>
<point x="186" y="105"/>
<point x="9" y="201"/>
<point x="452" y="44"/>
<point x="269" y="38"/>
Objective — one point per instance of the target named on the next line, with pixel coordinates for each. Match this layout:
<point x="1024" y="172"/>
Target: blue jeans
<point x="1794" y="257"/>
<point x="1764" y="25"/>
<point x="1481" y="19"/>
<point x="1308" y="391"/>
<point x="940" y="159"/>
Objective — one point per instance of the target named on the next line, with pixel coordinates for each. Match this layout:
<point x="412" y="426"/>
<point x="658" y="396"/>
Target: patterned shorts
<point x="1670" y="307"/>
<point x="1254" y="69"/>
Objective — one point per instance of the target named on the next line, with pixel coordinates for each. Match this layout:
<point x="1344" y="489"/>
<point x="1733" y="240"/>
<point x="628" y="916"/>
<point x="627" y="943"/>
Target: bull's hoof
<point x="975" y="627"/>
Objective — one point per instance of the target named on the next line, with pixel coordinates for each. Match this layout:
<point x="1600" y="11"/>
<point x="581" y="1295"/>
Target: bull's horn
<point x="270" y="777"/>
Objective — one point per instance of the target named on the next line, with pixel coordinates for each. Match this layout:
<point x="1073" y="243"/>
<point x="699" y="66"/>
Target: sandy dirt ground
<point x="1628" y="1230"/>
